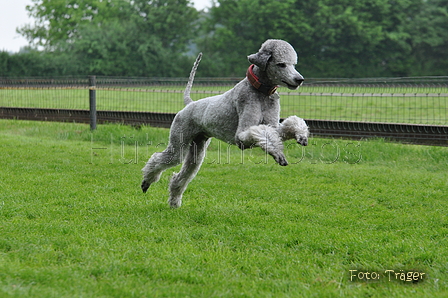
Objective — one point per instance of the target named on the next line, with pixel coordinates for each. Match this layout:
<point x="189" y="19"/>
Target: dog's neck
<point x="257" y="84"/>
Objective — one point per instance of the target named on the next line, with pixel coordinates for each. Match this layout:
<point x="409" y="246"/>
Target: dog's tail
<point x="187" y="98"/>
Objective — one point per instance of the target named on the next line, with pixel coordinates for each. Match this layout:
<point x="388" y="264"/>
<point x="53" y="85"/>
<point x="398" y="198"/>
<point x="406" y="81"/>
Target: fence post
<point x="92" y="102"/>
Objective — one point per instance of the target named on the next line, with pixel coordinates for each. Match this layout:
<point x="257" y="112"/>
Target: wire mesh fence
<point x="405" y="100"/>
<point x="421" y="100"/>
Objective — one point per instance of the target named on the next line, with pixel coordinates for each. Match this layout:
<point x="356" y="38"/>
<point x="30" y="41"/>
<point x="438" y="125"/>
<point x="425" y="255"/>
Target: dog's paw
<point x="283" y="163"/>
<point x="302" y="141"/>
<point x="175" y="202"/>
<point x="281" y="160"/>
<point x="145" y="185"/>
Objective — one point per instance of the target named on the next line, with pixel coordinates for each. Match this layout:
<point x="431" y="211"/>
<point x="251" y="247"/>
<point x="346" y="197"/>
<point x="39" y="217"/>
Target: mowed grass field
<point x="344" y="219"/>
<point x="410" y="104"/>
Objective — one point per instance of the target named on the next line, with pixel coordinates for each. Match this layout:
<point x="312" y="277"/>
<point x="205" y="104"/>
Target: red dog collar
<point x="255" y="82"/>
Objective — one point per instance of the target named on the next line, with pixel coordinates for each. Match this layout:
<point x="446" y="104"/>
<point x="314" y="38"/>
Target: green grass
<point x="74" y="223"/>
<point x="416" y="105"/>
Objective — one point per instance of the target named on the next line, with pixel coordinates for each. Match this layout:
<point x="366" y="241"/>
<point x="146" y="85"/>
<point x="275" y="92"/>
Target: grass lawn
<point x="74" y="222"/>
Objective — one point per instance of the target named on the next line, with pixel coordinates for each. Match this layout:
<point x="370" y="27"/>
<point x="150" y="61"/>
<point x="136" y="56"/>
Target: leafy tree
<point x="236" y="29"/>
<point x="119" y="49"/>
<point x="60" y="20"/>
<point x="33" y="63"/>
<point x="337" y="38"/>
<point x="174" y="22"/>
<point x="4" y="57"/>
<point x="357" y="38"/>
<point x="429" y="39"/>
<point x="334" y="38"/>
<point x="116" y="37"/>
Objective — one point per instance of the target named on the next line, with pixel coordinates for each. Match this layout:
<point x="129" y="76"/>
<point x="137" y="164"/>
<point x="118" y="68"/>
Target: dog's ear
<point x="260" y="59"/>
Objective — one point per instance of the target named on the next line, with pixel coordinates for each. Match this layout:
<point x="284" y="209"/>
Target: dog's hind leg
<point x="160" y="161"/>
<point x="192" y="164"/>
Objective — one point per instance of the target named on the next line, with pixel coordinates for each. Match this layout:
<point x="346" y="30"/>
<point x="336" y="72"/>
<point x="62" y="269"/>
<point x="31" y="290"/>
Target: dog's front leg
<point x="294" y="127"/>
<point x="263" y="136"/>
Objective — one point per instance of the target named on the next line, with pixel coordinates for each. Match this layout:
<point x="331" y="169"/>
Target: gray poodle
<point x="247" y="116"/>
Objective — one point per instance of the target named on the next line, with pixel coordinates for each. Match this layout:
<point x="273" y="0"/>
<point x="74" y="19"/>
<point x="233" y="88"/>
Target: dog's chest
<point x="270" y="109"/>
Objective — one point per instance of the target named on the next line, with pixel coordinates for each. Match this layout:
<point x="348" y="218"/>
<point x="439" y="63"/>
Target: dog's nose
<point x="299" y="80"/>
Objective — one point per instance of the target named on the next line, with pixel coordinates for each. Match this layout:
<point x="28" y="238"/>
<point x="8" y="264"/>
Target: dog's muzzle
<point x="298" y="81"/>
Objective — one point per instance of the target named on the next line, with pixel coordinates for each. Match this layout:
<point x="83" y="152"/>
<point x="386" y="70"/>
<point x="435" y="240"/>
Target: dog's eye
<point x="282" y="65"/>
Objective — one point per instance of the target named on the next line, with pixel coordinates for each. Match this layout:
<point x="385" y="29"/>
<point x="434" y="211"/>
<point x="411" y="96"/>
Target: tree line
<point x="160" y="38"/>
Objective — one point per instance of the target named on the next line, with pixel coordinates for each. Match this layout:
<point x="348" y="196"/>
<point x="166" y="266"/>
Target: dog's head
<point x="278" y="59"/>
